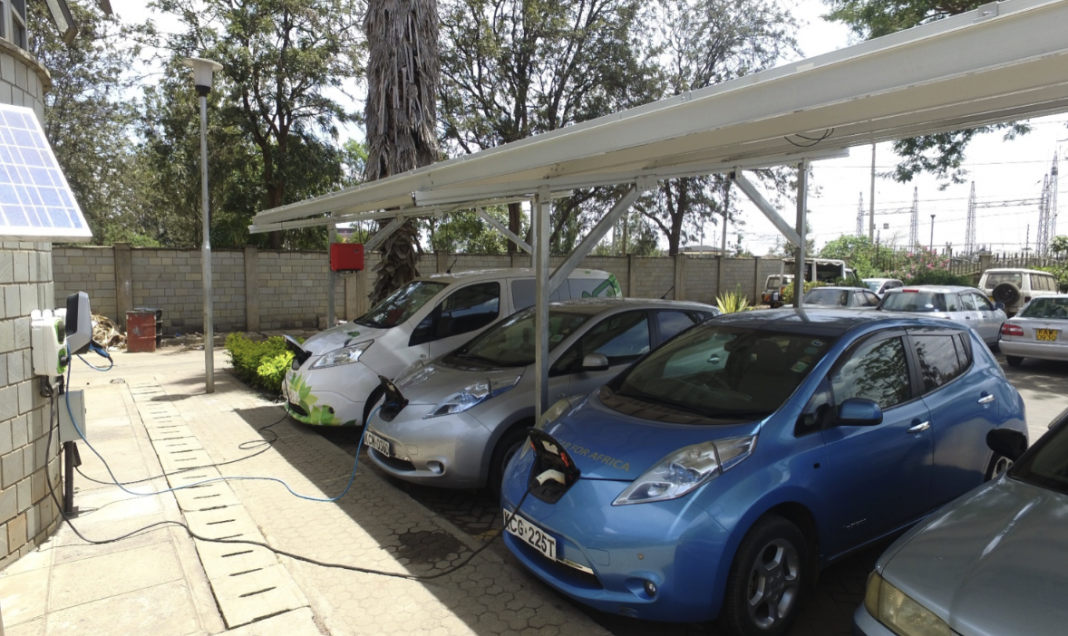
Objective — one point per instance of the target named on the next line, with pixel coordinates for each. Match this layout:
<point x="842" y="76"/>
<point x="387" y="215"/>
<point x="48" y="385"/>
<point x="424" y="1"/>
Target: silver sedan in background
<point x="1040" y="331"/>
<point x="468" y="411"/>
<point x="965" y="305"/>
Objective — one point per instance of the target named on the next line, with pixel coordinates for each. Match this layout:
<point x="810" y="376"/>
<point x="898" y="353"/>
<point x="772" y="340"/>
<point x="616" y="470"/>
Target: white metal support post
<point x="202" y="72"/>
<point x="331" y="279"/>
<point x="540" y="211"/>
<point x="802" y="211"/>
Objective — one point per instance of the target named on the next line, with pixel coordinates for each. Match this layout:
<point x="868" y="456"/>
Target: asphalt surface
<point x="828" y="611"/>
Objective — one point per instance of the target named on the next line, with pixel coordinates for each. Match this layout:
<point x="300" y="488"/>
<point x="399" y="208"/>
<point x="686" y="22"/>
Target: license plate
<point x="532" y="534"/>
<point x="376" y="443"/>
<point x="1048" y="335"/>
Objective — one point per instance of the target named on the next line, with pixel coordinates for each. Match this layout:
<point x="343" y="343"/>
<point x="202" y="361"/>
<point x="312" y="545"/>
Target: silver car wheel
<point x="774" y="583"/>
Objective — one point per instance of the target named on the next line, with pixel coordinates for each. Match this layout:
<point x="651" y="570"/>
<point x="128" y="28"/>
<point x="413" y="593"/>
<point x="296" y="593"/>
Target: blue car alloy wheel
<point x="713" y="478"/>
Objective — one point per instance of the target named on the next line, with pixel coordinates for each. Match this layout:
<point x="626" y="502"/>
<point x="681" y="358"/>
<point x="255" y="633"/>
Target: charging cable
<point x="100" y="351"/>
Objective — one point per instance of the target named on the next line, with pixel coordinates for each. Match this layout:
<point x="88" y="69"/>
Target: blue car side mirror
<point x="858" y="412"/>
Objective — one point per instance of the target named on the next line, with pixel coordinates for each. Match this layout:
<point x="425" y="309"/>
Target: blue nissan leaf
<point x="719" y="473"/>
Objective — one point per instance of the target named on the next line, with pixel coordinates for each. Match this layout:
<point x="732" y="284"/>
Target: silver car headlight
<point x="686" y="469"/>
<point x="471" y="395"/>
<point x="338" y="357"/>
<point x="891" y="607"/>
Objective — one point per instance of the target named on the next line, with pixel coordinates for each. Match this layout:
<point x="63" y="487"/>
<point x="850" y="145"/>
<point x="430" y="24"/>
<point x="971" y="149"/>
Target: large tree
<point x="515" y="68"/>
<point x="941" y="154"/>
<point x="88" y="118"/>
<point x="285" y="67"/>
<point x="403" y="73"/>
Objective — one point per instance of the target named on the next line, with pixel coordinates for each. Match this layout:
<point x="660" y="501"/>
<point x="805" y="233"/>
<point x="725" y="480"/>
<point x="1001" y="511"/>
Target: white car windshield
<point x="401" y="304"/>
<point x="723" y="371"/>
<point x="874" y="285"/>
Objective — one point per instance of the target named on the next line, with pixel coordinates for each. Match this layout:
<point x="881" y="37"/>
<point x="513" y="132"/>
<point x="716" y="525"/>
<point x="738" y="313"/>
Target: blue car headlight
<point x="338" y="357"/>
<point x="686" y="469"/>
<point x="471" y="395"/>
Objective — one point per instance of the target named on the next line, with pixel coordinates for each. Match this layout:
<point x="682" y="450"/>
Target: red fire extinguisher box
<point x="346" y="257"/>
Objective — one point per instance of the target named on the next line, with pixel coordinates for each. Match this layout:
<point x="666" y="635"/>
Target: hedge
<point x="261" y="364"/>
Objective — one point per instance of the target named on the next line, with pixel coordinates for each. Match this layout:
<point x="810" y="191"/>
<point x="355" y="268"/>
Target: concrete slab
<point x="162" y="610"/>
<point x="249" y="596"/>
<point x="66" y="547"/>
<point x="299" y="622"/>
<point x="34" y="560"/>
<point x="183" y="459"/>
<point x="214" y="495"/>
<point x="35" y="627"/>
<point x="221" y="559"/>
<point x="24" y="597"/>
<point x="115" y="574"/>
<point x="174" y="431"/>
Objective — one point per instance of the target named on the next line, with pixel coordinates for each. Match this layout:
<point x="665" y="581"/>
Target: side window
<point x="1036" y="282"/>
<point x="1051" y="283"/>
<point x="964" y="351"/>
<point x="593" y="287"/>
<point x="875" y="371"/>
<point x="939" y="363"/>
<point x="523" y="293"/>
<point x="672" y="322"/>
<point x="967" y="301"/>
<point x="871" y="299"/>
<point x="621" y="338"/>
<point x="952" y="302"/>
<point x="465" y="310"/>
<point x="982" y="303"/>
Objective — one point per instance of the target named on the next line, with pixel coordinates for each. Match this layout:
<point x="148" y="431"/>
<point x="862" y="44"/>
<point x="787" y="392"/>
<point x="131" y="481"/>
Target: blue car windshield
<point x="720" y="371"/>
<point x="1047" y="467"/>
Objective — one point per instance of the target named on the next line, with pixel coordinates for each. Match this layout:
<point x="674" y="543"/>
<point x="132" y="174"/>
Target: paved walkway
<point x="150" y="415"/>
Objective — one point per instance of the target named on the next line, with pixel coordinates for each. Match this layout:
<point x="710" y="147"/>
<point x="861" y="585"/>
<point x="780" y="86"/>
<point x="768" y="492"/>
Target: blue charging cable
<point x="70" y="412"/>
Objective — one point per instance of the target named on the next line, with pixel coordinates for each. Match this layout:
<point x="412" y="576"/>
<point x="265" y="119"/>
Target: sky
<point x="1002" y="171"/>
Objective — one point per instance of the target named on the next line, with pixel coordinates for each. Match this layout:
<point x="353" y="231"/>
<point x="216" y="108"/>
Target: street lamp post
<point x="202" y="72"/>
<point x="931" y="246"/>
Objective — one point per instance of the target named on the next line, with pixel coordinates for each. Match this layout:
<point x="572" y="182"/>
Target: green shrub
<point x="732" y="302"/>
<point x="937" y="277"/>
<point x="788" y="293"/>
<point x="261" y="364"/>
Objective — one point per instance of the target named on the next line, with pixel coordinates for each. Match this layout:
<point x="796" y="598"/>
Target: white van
<point x="335" y="374"/>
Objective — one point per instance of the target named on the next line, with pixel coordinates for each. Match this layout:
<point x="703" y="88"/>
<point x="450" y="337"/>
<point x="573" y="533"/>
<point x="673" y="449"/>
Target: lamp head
<point x="202" y="71"/>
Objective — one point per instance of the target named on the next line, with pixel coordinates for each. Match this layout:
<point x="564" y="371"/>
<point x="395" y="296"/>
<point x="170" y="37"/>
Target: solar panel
<point x="36" y="202"/>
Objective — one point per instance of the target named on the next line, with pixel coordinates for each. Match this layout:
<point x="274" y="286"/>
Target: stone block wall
<point x="652" y="277"/>
<point x="701" y="277"/>
<point x="87" y="269"/>
<point x="27" y="513"/>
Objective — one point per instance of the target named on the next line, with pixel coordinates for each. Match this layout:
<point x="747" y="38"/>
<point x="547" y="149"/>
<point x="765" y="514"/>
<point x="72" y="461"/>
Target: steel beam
<point x="802" y="212"/>
<point x="598" y="232"/>
<point x="488" y="218"/>
<point x="765" y="207"/>
<point x="331" y="278"/>
<point x="541" y="211"/>
<point x="381" y="235"/>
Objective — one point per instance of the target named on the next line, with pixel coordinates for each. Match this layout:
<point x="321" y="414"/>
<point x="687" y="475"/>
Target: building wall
<point x="27" y="514"/>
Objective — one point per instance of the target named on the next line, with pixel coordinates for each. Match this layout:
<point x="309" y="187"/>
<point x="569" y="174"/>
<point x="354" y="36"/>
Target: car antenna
<point x="449" y="270"/>
<point x="664" y="297"/>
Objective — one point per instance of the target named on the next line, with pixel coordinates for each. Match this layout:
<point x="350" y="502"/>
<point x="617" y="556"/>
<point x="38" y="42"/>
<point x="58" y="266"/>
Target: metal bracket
<point x="594" y="237"/>
<point x="765" y="207"/>
<point x="380" y="236"/>
<point x="523" y="245"/>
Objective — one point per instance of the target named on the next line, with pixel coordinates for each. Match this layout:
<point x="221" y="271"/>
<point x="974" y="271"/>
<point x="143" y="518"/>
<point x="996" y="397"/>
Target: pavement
<point x="151" y="415"/>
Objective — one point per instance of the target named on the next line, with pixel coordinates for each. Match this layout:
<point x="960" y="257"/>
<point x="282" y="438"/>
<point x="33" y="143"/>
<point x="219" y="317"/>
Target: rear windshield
<point x="722" y="372"/>
<point x="1046" y="308"/>
<point x="993" y="279"/>
<point x="401" y="304"/>
<point x="874" y="285"/>
<point x="913" y="301"/>
<point x="774" y="282"/>
<point x="827" y="297"/>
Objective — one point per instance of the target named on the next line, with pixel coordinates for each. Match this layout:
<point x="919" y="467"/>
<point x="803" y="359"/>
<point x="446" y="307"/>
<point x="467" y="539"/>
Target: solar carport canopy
<point x="1001" y="62"/>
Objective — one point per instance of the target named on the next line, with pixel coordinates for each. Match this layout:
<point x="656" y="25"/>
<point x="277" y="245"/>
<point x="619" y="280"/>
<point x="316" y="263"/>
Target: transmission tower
<point x="914" y="227"/>
<point x="1042" y="236"/>
<point x="1051" y="213"/>
<point x="969" y="232"/>
<point x="860" y="216"/>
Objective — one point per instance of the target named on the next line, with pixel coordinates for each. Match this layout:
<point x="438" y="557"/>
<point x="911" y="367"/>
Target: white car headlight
<point x="471" y="395"/>
<point x="338" y="357"/>
<point x="891" y="607"/>
<point x="686" y="469"/>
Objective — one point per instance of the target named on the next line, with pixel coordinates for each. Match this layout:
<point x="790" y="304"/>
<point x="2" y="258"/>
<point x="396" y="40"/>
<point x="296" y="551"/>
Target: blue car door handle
<point x="986" y="399"/>
<point x="918" y="428"/>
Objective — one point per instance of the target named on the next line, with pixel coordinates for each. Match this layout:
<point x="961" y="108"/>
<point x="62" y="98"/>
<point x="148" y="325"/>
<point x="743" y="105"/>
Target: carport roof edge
<point x="937" y="77"/>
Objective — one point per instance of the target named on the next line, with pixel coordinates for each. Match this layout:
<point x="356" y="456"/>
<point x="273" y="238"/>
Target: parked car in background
<point x="774" y="288"/>
<point x="879" y="286"/>
<point x="965" y="305"/>
<point x="851" y="297"/>
<point x="334" y="376"/>
<point x="709" y="479"/>
<point x="994" y="562"/>
<point x="469" y="410"/>
<point x="824" y="270"/>
<point x="1039" y="331"/>
<point x="1016" y="287"/>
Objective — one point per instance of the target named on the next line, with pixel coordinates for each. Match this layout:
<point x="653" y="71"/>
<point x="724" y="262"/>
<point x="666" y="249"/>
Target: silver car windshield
<point x="827" y="297"/>
<point x="1048" y="466"/>
<point x="511" y="342"/>
<point x="401" y="304"/>
<point x="723" y="371"/>
<point x="1046" y="308"/>
<point x="913" y="301"/>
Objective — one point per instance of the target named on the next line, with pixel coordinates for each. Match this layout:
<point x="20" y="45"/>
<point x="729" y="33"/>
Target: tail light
<point x="1008" y="329"/>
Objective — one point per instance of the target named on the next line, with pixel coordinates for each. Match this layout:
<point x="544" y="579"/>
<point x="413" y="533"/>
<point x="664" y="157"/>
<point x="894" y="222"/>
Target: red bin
<point x="140" y="331"/>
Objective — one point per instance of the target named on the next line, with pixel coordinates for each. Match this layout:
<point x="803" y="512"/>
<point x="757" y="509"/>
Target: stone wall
<point x="27" y="513"/>
<point x="290" y="289"/>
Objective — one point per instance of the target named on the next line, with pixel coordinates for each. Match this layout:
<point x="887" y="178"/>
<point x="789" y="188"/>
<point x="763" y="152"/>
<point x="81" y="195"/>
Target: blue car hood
<point x="606" y="444"/>
<point x="991" y="563"/>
